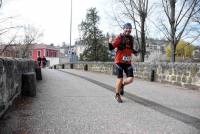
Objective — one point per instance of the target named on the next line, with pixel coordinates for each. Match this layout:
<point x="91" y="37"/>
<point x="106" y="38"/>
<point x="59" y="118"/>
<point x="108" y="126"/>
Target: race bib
<point x="126" y="58"/>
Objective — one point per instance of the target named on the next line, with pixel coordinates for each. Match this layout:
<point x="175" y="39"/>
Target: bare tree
<point x="10" y="43"/>
<point x="196" y="17"/>
<point x="137" y="11"/>
<point x="178" y="19"/>
<point x="31" y="35"/>
<point x="22" y="40"/>
<point x="6" y="31"/>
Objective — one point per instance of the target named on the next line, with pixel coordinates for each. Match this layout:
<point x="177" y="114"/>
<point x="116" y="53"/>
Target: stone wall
<point x="187" y="75"/>
<point x="11" y="71"/>
<point x="103" y="67"/>
<point x="182" y="74"/>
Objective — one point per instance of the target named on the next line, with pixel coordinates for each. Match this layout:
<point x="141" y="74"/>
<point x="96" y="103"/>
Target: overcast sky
<point x="52" y="17"/>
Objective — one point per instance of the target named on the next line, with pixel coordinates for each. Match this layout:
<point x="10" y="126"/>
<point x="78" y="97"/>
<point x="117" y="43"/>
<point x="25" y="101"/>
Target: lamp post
<point x="70" y="38"/>
<point x="71" y="25"/>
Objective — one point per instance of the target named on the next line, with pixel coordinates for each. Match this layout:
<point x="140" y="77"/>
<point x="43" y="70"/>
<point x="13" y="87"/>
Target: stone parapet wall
<point x="103" y="67"/>
<point x="11" y="71"/>
<point x="182" y="74"/>
<point x="143" y="70"/>
<point x="187" y="75"/>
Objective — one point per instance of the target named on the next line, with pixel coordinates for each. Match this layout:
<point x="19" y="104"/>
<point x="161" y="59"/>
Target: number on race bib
<point x="126" y="58"/>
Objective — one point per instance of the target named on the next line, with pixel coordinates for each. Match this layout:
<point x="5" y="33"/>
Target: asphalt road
<point x="77" y="102"/>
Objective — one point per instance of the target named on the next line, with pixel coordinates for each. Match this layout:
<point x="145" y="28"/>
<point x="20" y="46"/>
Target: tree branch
<point x="181" y="10"/>
<point x="180" y="34"/>
<point x="166" y="10"/>
<point x="178" y="22"/>
<point x="9" y="44"/>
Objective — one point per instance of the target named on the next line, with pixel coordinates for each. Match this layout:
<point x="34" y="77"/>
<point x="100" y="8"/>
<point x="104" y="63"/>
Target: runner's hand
<point x="110" y="44"/>
<point x="110" y="40"/>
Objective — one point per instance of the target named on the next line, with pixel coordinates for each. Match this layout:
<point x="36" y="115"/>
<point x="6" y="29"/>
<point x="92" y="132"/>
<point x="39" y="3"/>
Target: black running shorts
<point x="127" y="68"/>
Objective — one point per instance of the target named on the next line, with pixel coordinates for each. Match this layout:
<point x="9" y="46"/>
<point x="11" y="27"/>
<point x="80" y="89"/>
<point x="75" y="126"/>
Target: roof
<point x="39" y="46"/>
<point x="8" y="47"/>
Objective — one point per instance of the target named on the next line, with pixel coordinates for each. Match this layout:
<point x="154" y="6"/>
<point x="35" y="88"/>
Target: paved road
<point x="77" y="102"/>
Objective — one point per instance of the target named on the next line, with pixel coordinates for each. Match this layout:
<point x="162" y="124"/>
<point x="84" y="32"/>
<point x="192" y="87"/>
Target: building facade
<point x="50" y="52"/>
<point x="40" y="50"/>
<point x="8" y="51"/>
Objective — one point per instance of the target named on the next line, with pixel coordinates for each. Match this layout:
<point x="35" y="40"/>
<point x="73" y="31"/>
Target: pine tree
<point x="93" y="38"/>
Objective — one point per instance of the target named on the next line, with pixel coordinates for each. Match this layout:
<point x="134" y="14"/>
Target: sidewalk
<point x="178" y="98"/>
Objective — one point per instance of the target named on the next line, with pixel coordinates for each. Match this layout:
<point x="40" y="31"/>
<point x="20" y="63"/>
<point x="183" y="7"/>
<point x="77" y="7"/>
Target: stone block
<point x="183" y="79"/>
<point x="9" y="68"/>
<point x="178" y="79"/>
<point x="170" y="72"/>
<point x="198" y="74"/>
<point x="2" y="106"/>
<point x="29" y="84"/>
<point x="38" y="73"/>
<point x="189" y="80"/>
<point x="173" y="78"/>
<point x="1" y="67"/>
<point x="71" y="66"/>
<point x="63" y="66"/>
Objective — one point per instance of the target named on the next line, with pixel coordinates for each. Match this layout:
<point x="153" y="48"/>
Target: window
<point x="47" y="53"/>
<point x="50" y="54"/>
<point x="38" y="53"/>
<point x="30" y="54"/>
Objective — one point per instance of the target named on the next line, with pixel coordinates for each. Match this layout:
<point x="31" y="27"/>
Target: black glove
<point x="135" y="52"/>
<point x="111" y="46"/>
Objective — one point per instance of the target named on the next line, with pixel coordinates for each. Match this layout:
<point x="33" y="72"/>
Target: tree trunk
<point x="173" y="51"/>
<point x="143" y="42"/>
<point x="173" y="33"/>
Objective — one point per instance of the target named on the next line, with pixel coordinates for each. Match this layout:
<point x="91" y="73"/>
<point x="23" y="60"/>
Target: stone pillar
<point x="63" y="66"/>
<point x="38" y="73"/>
<point x="29" y="84"/>
<point x="71" y="66"/>
<point x="85" y="67"/>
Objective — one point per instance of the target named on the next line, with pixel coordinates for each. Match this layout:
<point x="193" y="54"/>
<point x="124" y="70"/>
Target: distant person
<point x="44" y="61"/>
<point x="39" y="61"/>
<point x="123" y="44"/>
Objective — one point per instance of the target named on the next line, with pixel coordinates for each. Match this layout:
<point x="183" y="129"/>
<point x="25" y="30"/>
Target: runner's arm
<point x="114" y="43"/>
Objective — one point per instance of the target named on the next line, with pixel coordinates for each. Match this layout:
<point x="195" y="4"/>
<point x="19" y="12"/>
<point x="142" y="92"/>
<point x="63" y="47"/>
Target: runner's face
<point x="127" y="31"/>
